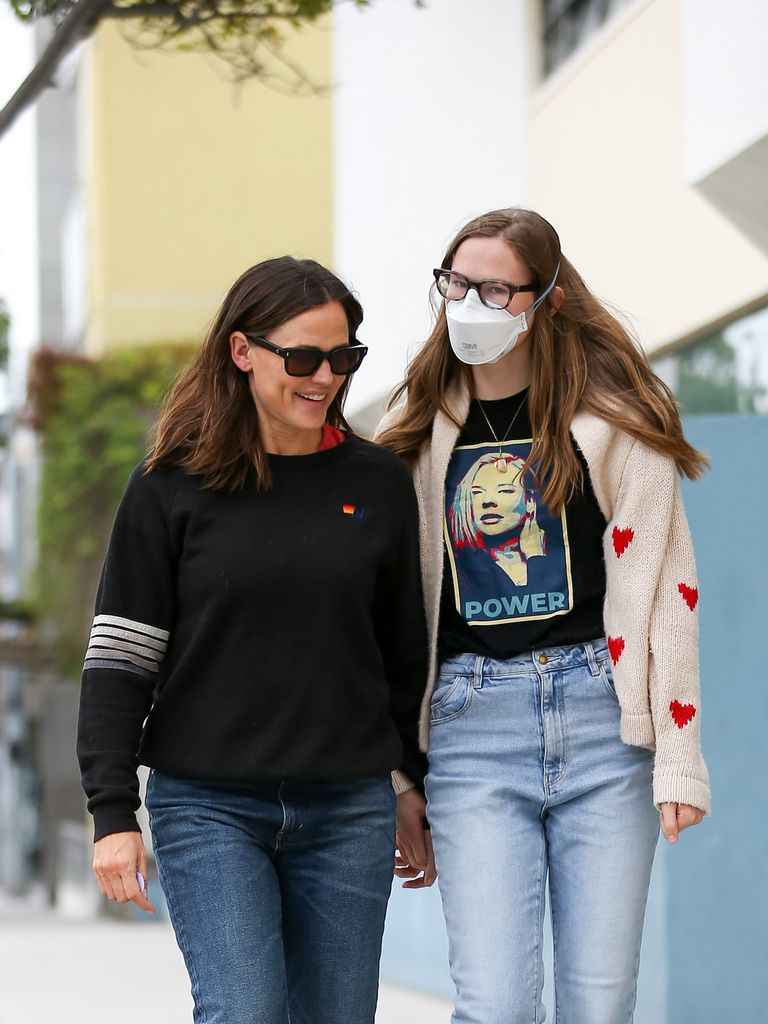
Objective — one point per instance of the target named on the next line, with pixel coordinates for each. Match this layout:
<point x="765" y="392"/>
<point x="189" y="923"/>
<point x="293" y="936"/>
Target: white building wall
<point x="428" y="131"/>
<point x="726" y="108"/>
<point x="607" y="165"/>
<point x="725" y="81"/>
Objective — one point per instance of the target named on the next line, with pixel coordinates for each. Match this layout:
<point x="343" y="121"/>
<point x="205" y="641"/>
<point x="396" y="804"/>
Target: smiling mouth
<point x="311" y="398"/>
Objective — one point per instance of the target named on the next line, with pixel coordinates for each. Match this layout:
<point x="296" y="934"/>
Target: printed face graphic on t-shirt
<point x="498" y="499"/>
<point x="510" y="559"/>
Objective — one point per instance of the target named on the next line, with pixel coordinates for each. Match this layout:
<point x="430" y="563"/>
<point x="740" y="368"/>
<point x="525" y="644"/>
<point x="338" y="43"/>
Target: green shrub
<point x="95" y="418"/>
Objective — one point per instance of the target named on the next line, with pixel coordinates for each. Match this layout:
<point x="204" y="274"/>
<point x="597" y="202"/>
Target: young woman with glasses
<point x="562" y="710"/>
<point x="259" y="643"/>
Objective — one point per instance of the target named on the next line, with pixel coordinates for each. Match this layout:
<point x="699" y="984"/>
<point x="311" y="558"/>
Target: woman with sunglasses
<point x="259" y="643"/>
<point x="562" y="614"/>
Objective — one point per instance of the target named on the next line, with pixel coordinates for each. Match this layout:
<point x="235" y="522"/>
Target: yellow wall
<point x="191" y="180"/>
<point x="606" y="165"/>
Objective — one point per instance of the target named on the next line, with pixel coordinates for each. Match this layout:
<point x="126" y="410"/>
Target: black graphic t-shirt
<point x="516" y="577"/>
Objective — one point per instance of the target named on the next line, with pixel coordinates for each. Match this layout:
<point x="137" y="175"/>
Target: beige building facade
<point x="189" y="180"/>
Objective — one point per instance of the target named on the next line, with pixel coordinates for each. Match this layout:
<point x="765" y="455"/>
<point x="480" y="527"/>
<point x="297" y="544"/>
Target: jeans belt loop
<point x="477" y="680"/>
<point x="594" y="668"/>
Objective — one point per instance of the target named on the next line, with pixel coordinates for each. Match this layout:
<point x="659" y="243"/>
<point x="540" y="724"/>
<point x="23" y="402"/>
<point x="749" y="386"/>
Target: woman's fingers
<point x="687" y="816"/>
<point x="406" y="871"/>
<point x="430" y="871"/>
<point x="419" y="874"/>
<point x="407" y="853"/>
<point x="139" y="896"/>
<point x="411" y="808"/>
<point x="415" y="861"/>
<point x="120" y="866"/>
<point x="105" y="886"/>
<point x="668" y="822"/>
<point x="416" y="883"/>
<point x="675" y="817"/>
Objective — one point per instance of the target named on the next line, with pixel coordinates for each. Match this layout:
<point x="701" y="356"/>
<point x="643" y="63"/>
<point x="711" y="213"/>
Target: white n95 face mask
<point x="479" y="334"/>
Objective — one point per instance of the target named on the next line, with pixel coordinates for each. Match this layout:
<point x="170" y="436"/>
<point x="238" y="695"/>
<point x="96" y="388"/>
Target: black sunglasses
<point x="303" y="362"/>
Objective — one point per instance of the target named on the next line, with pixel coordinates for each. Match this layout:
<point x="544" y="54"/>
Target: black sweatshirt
<point x="275" y="633"/>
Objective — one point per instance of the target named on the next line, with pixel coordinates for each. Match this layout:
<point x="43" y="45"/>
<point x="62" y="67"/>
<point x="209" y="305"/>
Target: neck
<point x="509" y="376"/>
<point x="289" y="442"/>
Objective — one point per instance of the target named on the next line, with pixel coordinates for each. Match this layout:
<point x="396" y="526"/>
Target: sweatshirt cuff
<point x="401" y="783"/>
<point x="109" y="820"/>
<point x="680" y="789"/>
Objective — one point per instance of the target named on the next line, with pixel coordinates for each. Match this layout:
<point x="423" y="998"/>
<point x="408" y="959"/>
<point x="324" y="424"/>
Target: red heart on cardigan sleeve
<point x="690" y="595"/>
<point x="622" y="538"/>
<point x="682" y="713"/>
<point x="615" y="647"/>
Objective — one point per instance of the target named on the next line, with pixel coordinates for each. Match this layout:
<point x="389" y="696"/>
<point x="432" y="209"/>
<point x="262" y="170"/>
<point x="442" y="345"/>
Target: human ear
<point x="240" y="350"/>
<point x="556" y="297"/>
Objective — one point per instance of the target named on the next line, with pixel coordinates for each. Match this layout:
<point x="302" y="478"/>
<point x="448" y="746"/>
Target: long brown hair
<point x="209" y="424"/>
<point x="581" y="358"/>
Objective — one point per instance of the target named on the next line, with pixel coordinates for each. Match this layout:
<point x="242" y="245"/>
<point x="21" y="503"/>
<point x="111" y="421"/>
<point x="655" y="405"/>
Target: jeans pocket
<point x="450" y="699"/>
<point x="606" y="675"/>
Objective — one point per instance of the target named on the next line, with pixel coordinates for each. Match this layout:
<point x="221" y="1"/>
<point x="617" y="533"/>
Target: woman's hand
<point x="117" y="860"/>
<point x="673" y="818"/>
<point x="415" y="860"/>
<point x="532" y="539"/>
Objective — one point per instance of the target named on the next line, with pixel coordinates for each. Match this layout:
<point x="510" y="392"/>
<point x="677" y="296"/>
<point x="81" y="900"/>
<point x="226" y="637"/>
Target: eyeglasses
<point x="303" y="362"/>
<point x="494" y="294"/>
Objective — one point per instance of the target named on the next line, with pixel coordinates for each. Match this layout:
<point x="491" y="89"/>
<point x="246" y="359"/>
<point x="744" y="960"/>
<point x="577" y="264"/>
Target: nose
<point x="323" y="375"/>
<point x="489" y="504"/>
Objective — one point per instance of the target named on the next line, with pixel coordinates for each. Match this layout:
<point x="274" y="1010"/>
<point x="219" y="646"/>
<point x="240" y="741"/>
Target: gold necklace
<point x="501" y="462"/>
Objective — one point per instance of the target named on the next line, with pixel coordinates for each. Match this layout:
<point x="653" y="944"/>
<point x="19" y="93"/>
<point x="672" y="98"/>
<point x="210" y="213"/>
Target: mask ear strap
<point x="544" y="294"/>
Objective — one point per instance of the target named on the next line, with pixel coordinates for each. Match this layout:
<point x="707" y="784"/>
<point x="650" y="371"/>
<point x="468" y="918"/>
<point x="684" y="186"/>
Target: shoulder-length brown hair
<point x="581" y="358"/>
<point x="209" y="424"/>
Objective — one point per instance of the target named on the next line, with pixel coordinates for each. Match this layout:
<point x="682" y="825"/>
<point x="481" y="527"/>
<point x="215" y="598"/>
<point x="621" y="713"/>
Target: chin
<point x="312" y="419"/>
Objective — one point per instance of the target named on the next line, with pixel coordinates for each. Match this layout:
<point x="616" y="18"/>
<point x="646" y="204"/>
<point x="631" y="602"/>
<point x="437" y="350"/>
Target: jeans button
<point x="543" y="659"/>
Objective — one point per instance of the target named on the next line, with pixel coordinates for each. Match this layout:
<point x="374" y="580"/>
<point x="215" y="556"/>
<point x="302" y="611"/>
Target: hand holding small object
<point x="120" y="866"/>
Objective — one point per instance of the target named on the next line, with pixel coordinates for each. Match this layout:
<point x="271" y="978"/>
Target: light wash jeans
<point x="277" y="892"/>
<point x="528" y="777"/>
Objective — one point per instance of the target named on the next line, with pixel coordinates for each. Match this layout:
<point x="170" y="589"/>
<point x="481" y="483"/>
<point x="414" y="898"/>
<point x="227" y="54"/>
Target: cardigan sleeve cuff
<point x="680" y="789"/>
<point x="401" y="783"/>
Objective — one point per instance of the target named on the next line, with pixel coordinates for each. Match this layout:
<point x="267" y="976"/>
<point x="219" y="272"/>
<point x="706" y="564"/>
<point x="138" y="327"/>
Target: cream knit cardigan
<point x="650" y="612"/>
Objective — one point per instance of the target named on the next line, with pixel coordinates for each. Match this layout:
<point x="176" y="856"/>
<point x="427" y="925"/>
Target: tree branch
<point x="76" y="26"/>
<point x="199" y="13"/>
<point x="207" y="25"/>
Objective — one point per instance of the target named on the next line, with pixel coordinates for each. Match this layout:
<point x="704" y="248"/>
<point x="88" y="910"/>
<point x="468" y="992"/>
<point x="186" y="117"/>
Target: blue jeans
<point x="527" y="778"/>
<point x="277" y="891"/>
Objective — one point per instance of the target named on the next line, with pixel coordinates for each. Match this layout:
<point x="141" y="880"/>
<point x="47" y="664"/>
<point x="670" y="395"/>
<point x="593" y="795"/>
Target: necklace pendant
<point x="501" y="465"/>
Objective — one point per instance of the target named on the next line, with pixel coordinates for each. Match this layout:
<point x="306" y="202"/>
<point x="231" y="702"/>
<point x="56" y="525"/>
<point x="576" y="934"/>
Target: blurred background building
<point x="133" y="195"/>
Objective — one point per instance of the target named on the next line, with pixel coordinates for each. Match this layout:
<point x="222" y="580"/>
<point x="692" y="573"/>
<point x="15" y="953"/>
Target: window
<point x="726" y="371"/>
<point x="566" y="24"/>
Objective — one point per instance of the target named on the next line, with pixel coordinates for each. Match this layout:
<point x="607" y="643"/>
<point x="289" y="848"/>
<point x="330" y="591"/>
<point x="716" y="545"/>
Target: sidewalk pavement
<point x="88" y="972"/>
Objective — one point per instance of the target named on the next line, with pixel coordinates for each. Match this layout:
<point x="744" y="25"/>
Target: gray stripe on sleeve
<point x="139" y="627"/>
<point x="106" y="646"/>
<point x="109" y="632"/>
<point x="123" y="666"/>
<point x="105" y="654"/>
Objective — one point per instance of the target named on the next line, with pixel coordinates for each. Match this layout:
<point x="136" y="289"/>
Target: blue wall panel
<point x="717" y="892"/>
